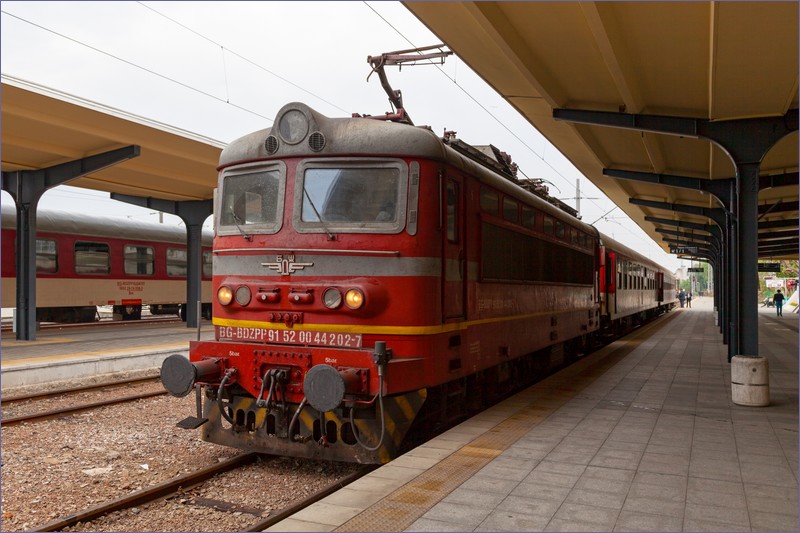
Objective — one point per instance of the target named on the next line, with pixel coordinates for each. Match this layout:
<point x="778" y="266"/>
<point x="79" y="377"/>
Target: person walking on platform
<point x="778" y="300"/>
<point x="689" y="300"/>
<point x="682" y="297"/>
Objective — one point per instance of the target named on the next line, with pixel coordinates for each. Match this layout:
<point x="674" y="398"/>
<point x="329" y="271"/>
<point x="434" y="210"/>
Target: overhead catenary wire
<point x="226" y="98"/>
<point x="132" y="64"/>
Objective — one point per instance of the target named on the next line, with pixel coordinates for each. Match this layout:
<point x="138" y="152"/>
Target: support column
<point x="27" y="187"/>
<point x="194" y="214"/>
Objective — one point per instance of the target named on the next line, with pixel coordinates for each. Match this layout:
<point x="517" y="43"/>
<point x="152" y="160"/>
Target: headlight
<point x="224" y="295"/>
<point x="332" y="298"/>
<point x="243" y="295"/>
<point x="354" y="298"/>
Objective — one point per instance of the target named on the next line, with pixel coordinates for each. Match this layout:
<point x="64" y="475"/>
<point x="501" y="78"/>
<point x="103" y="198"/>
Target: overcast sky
<point x="223" y="69"/>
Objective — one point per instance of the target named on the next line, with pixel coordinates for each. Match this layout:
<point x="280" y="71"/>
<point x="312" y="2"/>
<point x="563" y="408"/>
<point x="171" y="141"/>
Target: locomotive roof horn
<point x="412" y="56"/>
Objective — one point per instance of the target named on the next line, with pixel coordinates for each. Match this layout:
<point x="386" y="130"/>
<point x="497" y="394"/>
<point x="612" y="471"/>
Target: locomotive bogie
<point x="314" y="435"/>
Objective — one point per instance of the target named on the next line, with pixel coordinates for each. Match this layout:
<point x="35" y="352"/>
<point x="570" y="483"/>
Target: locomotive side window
<point x="507" y="255"/>
<point x="176" y="262"/>
<point x="138" y="260"/>
<point x="573" y="236"/>
<point x="510" y="209"/>
<point x="489" y="200"/>
<point x="452" y="211"/>
<point x="92" y="258"/>
<point x="359" y="197"/>
<point x="549" y="224"/>
<point x="46" y="256"/>
<point x="251" y="198"/>
<point x="559" y="229"/>
<point x="528" y="217"/>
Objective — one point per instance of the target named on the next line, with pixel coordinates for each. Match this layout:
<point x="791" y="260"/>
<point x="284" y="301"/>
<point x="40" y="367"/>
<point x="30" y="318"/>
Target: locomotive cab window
<point x="92" y="258"/>
<point x="138" y="260"/>
<point x="356" y="196"/>
<point x="251" y="200"/>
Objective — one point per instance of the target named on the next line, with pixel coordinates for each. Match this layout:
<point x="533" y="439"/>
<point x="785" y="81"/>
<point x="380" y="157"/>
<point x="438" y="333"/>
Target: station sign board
<point x="696" y="269"/>
<point x="684" y="250"/>
<point x="769" y="267"/>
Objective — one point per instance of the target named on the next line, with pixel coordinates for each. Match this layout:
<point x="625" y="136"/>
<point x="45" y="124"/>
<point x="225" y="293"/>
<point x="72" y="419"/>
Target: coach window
<point x="489" y="200"/>
<point x="353" y="197"/>
<point x="548" y="224"/>
<point x="528" y="217"/>
<point x="510" y="209"/>
<point x="452" y="211"/>
<point x="46" y="256"/>
<point x="252" y="200"/>
<point x="207" y="264"/>
<point x="92" y="258"/>
<point x="176" y="262"/>
<point x="138" y="260"/>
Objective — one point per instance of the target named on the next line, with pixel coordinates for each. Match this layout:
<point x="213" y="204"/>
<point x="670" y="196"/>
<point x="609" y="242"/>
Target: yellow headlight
<point x="224" y="295"/>
<point x="354" y="298"/>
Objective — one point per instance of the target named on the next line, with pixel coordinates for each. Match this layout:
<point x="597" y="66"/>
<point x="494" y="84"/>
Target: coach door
<point x="455" y="262"/>
<point x="611" y="284"/>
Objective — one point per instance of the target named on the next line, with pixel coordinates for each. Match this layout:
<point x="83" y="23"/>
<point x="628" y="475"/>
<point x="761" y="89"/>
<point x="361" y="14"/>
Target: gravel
<point x="54" y="468"/>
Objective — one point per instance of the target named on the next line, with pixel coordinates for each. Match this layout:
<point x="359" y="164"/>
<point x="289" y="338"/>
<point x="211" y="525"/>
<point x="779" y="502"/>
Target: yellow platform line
<point x="11" y="343"/>
<point x="398" y="510"/>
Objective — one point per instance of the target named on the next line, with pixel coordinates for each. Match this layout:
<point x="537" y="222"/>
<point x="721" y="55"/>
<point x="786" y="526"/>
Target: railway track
<point x="181" y="484"/>
<point x="51" y="413"/>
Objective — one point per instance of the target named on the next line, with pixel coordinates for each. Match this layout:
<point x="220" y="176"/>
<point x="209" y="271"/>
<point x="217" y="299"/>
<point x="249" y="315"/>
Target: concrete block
<point x="750" y="381"/>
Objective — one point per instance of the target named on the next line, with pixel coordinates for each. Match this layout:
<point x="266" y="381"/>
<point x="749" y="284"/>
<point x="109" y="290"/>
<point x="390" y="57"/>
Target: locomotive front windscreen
<point x="252" y="199"/>
<point x="364" y="197"/>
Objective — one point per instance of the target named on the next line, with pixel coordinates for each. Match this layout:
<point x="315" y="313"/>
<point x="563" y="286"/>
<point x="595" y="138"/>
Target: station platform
<point x="77" y="352"/>
<point x="639" y="436"/>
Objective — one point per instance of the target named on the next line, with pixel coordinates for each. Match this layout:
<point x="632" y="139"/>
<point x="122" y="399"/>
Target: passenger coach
<point x="84" y="261"/>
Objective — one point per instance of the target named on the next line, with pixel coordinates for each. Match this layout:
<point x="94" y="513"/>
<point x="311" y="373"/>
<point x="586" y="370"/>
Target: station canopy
<point x="716" y="61"/>
<point x="42" y="128"/>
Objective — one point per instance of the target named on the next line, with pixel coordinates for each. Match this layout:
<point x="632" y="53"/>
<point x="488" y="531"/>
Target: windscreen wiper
<point x="237" y="221"/>
<point x="331" y="236"/>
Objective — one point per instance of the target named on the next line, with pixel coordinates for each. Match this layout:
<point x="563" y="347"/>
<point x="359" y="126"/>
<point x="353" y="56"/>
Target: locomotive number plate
<point x="289" y="336"/>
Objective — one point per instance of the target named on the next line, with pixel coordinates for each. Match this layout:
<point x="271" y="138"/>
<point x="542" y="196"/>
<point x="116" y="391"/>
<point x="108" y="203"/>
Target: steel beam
<point x="27" y="187"/>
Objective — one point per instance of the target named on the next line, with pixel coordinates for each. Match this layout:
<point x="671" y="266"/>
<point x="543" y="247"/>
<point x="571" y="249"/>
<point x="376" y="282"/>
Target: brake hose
<point x="222" y="409"/>
<point x="383" y="418"/>
<point x="296" y="416"/>
<point x="260" y="402"/>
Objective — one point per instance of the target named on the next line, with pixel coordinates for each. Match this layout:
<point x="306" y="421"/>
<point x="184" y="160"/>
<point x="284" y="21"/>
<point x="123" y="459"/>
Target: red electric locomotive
<point x="369" y="275"/>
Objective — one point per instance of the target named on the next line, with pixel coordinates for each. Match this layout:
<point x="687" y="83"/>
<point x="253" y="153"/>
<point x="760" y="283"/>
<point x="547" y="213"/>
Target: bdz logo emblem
<point x="285" y="265"/>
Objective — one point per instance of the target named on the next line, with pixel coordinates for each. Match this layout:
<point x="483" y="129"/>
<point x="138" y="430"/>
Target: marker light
<point x="243" y="295"/>
<point x="332" y="298"/>
<point x="224" y="295"/>
<point x="354" y="298"/>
